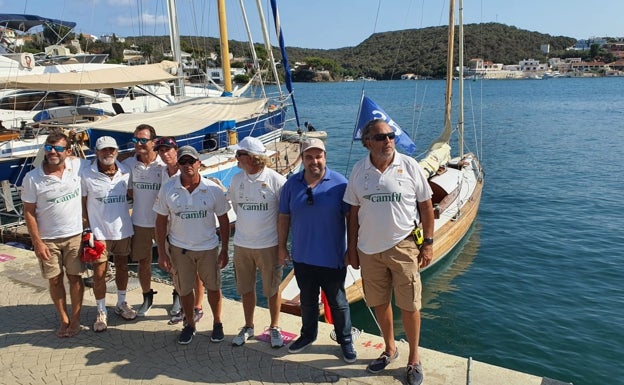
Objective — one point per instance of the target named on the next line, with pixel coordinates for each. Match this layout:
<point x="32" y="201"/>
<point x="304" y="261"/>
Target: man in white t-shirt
<point x="254" y="193"/>
<point x="106" y="212"/>
<point x="186" y="208"/>
<point x="167" y="149"/>
<point x="146" y="170"/>
<point x="388" y="194"/>
<point x="53" y="214"/>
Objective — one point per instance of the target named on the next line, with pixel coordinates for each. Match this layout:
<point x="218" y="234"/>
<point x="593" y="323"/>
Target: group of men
<point x="366" y="222"/>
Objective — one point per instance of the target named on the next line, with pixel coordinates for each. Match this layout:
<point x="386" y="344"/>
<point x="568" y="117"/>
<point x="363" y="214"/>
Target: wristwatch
<point x="428" y="241"/>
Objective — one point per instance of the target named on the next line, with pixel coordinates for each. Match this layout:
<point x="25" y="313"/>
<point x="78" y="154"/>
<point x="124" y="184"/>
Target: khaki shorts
<point x="142" y="242"/>
<point x="120" y="248"/>
<point x="187" y="264"/>
<point x="65" y="255"/>
<point x="246" y="261"/>
<point x="395" y="268"/>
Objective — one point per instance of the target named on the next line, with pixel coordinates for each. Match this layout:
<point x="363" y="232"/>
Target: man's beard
<point x="108" y="161"/>
<point x="55" y="162"/>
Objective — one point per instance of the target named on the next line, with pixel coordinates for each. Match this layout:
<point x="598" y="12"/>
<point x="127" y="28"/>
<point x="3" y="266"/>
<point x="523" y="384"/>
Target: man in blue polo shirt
<point x="311" y="206"/>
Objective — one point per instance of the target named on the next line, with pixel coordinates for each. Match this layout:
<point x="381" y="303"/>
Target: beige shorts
<point x="142" y="242"/>
<point x="187" y="264"/>
<point x="65" y="256"/>
<point x="120" y="248"/>
<point x="395" y="268"/>
<point x="246" y="261"/>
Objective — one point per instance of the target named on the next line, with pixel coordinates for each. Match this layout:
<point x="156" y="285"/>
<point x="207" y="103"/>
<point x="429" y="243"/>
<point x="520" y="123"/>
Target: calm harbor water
<point x="536" y="287"/>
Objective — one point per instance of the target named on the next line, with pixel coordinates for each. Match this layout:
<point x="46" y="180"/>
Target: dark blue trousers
<point x="310" y="279"/>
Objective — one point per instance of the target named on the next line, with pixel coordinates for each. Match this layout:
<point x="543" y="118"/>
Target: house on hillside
<point x="532" y="65"/>
<point x="588" y="68"/>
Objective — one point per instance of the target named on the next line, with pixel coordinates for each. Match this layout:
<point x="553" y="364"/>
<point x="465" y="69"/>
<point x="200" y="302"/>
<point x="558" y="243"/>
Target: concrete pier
<point x="145" y="350"/>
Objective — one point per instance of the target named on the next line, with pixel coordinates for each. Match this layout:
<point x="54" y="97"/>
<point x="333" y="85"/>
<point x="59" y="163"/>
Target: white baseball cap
<point x="105" y="142"/>
<point x="252" y="145"/>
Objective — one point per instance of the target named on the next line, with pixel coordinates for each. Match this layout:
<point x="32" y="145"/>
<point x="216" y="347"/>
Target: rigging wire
<point x="370" y="310"/>
<point x="348" y="164"/>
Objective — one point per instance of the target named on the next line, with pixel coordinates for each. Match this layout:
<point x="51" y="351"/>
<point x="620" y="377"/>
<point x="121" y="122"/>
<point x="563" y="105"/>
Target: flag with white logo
<point x="369" y="111"/>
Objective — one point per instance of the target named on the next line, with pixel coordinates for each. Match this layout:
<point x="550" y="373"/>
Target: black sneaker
<point x="148" y="301"/>
<point x="414" y="374"/>
<point x="186" y="336"/>
<point x="379" y="364"/>
<point x="301" y="343"/>
<point x="217" y="333"/>
<point x="349" y="355"/>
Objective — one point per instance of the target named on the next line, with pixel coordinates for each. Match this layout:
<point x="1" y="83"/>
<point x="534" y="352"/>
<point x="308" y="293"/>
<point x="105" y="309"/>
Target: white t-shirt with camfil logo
<point x="107" y="206"/>
<point x="192" y="224"/>
<point x="388" y="201"/>
<point x="255" y="199"/>
<point x="58" y="200"/>
<point x="145" y="182"/>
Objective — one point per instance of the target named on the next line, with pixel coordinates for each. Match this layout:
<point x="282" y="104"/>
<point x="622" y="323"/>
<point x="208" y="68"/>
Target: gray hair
<point x="368" y="128"/>
<point x="259" y="160"/>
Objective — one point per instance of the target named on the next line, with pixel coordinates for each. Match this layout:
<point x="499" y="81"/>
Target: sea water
<point x="537" y="285"/>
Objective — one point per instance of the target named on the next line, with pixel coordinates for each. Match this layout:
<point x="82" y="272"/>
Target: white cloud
<point x="147" y="19"/>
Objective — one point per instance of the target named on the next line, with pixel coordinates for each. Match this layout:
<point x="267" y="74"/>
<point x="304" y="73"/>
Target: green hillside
<point x="423" y="51"/>
<point x="388" y="55"/>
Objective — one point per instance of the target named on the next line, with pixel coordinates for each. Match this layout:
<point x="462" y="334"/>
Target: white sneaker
<point x="100" y="323"/>
<point x="125" y="311"/>
<point x="242" y="336"/>
<point x="277" y="341"/>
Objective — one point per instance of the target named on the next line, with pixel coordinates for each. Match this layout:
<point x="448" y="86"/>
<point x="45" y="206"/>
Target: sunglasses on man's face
<point x="185" y="161"/>
<point x="240" y="154"/>
<point x="49" y="147"/>
<point x="136" y="140"/>
<point x="383" y="137"/>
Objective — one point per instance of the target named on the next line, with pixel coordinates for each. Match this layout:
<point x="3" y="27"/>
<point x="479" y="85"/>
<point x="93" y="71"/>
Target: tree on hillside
<point x="57" y="34"/>
<point x="323" y="64"/>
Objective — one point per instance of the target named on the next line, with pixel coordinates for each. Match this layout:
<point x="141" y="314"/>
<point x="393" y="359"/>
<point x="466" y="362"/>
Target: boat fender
<point x="211" y="143"/>
<point x="232" y="137"/>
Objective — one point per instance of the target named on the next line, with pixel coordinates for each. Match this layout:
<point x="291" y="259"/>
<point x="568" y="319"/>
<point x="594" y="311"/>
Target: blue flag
<point x="369" y="111"/>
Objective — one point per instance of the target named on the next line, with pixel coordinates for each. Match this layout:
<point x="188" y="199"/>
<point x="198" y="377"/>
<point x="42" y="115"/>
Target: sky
<point x="326" y="24"/>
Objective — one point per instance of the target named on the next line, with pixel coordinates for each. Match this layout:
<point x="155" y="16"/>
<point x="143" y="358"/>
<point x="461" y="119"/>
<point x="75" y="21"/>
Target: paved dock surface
<point x="145" y="350"/>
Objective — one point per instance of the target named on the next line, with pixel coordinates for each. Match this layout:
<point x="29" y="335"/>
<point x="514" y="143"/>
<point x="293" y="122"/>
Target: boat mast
<point x="267" y="44"/>
<point x="174" y="36"/>
<point x="460" y="124"/>
<point x="225" y="48"/>
<point x="445" y="136"/>
<point x="254" y="55"/>
<point x="449" y="69"/>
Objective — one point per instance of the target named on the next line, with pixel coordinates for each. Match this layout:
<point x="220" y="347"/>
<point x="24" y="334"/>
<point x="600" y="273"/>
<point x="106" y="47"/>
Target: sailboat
<point x="19" y="146"/>
<point x="457" y="184"/>
<point x="210" y="124"/>
<point x="37" y="98"/>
